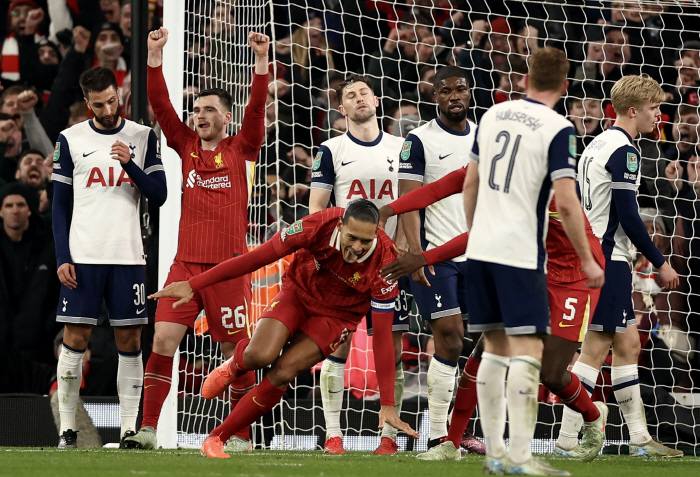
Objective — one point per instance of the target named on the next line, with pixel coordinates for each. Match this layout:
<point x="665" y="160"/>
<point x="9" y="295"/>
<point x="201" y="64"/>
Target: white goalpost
<point x="314" y="43"/>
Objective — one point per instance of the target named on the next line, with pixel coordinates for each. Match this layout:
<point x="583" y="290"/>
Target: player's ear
<point x="376" y="101"/>
<point x="342" y="111"/>
<point x="565" y="87"/>
<point x="228" y="117"/>
<point x="87" y="103"/>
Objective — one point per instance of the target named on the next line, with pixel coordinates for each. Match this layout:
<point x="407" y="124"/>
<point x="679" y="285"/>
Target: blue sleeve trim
<point x="562" y="154"/>
<point x="62" y="162"/>
<point x="152" y="159"/>
<point x="632" y="224"/>
<point x="624" y="166"/>
<point x="62" y="213"/>
<point x="412" y="159"/>
<point x="323" y="170"/>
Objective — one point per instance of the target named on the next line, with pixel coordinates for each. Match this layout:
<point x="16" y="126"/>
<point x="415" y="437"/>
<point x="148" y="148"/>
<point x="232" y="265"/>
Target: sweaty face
<point x="15" y="212"/>
<point x="31" y="171"/>
<point x="210" y="117"/>
<point x="452" y="96"/>
<point x="105" y="106"/>
<point x="356" y="238"/>
<point x="359" y="102"/>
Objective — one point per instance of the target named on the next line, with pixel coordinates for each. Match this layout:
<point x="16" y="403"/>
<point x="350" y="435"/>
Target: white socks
<point x="625" y="384"/>
<point x="441" y="386"/>
<point x="332" y="387"/>
<point x="129" y="386"/>
<point x="69" y="375"/>
<point x="571" y="421"/>
<point x="521" y="394"/>
<point x="490" y="391"/>
<point x="388" y="430"/>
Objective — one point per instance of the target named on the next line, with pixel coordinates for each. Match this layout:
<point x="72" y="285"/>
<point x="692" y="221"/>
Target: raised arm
<point x="252" y="130"/>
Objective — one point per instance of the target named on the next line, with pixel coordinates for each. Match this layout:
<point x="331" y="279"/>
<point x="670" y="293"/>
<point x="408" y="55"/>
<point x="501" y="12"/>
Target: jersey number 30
<point x="501" y="155"/>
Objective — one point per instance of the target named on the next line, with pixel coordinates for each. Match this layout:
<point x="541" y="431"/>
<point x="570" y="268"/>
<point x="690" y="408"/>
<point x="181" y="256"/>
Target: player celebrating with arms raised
<point x="101" y="168"/>
<point x="608" y="179"/>
<point x="217" y="171"/>
<point x="521" y="150"/>
<point x="325" y="293"/>
<point x="362" y="163"/>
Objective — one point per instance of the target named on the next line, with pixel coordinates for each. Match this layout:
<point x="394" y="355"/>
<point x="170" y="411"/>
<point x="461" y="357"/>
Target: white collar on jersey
<point x="335" y="243"/>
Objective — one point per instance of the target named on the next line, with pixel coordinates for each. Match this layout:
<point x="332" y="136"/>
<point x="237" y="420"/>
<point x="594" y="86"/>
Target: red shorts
<point x="571" y="306"/>
<point x="326" y="331"/>
<point x="225" y="304"/>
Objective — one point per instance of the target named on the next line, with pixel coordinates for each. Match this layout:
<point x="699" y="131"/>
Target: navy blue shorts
<point x="615" y="311"/>
<point x="446" y="294"/>
<point x="510" y="298"/>
<point x="402" y="309"/>
<point x="122" y="287"/>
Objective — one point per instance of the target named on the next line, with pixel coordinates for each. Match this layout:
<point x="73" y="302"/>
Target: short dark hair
<point x="17" y="188"/>
<point x="350" y="79"/>
<point x="97" y="79"/>
<point x="12" y="90"/>
<point x="450" y="72"/>
<point x="363" y="210"/>
<point x="224" y="96"/>
<point x="26" y="152"/>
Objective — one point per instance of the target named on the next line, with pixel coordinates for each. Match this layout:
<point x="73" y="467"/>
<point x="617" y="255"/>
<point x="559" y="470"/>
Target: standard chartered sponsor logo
<point x="216" y="182"/>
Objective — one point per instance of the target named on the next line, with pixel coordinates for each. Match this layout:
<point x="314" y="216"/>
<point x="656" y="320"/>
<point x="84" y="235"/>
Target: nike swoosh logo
<point x="256" y="402"/>
<point x="526" y="394"/>
<point x="346" y="163"/>
<point x="149" y="386"/>
<point x="93" y="152"/>
<point x="234" y="332"/>
<point x="138" y="312"/>
<point x="448" y="155"/>
<point x="450" y="391"/>
<point x="335" y="392"/>
<point x="401" y="318"/>
<point x="562" y="325"/>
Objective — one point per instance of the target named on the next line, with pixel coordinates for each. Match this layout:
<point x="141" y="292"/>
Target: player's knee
<point x="282" y="375"/>
<point x="257" y="358"/>
<point x="128" y="339"/>
<point x="164" y="345"/>
<point x="77" y="337"/>
<point x="552" y="378"/>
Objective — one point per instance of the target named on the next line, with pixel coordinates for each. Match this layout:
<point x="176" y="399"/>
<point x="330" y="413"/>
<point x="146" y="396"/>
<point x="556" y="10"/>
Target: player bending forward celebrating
<point x="217" y="171"/>
<point x="521" y="150"/>
<point x="325" y="293"/>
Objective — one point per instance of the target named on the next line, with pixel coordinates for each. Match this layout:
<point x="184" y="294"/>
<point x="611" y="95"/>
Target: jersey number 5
<point x="501" y="155"/>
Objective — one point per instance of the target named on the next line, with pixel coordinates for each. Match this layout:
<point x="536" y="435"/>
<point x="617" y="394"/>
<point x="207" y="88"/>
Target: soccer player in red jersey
<point x="217" y="175"/>
<point x="571" y="305"/>
<point x="326" y="292"/>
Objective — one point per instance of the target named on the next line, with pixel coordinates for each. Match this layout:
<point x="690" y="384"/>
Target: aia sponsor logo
<point x="107" y="179"/>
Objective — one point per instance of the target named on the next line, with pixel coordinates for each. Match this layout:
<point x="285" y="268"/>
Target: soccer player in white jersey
<point x="429" y="153"/>
<point x="608" y="175"/>
<point x="522" y="148"/>
<point x="362" y="163"/>
<point x="101" y="168"/>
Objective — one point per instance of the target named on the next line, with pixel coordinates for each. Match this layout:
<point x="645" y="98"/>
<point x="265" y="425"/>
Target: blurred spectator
<point x="219" y="51"/>
<point x="78" y="113"/>
<point x="19" y="102"/>
<point x="617" y="58"/>
<point x="10" y="147"/>
<point x="23" y="19"/>
<point x="30" y="170"/>
<point x="584" y="107"/>
<point x="66" y="88"/>
<point x="526" y="40"/>
<point x="511" y="85"/>
<point x="125" y="19"/>
<point x="29" y="290"/>
<point x="107" y="42"/>
<point x="312" y="53"/>
<point x="112" y="10"/>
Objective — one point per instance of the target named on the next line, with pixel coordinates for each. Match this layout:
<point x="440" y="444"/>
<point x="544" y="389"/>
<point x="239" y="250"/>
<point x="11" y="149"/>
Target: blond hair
<point x="300" y="49"/>
<point x="633" y="91"/>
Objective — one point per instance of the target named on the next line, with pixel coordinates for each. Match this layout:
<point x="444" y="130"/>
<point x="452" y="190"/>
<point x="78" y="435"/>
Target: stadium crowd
<point x="47" y="44"/>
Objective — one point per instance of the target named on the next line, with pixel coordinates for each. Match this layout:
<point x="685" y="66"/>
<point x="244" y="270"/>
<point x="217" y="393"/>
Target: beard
<point x="112" y="123"/>
<point x="454" y="117"/>
<point x="361" y="117"/>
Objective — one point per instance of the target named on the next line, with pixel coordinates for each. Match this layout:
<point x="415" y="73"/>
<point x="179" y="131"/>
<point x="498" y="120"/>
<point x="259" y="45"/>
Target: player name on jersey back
<point x="105" y="226"/>
<point x="521" y="147"/>
<point x="429" y="153"/>
<point x="355" y="169"/>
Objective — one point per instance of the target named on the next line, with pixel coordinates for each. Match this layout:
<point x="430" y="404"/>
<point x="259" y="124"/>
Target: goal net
<point x="400" y="45"/>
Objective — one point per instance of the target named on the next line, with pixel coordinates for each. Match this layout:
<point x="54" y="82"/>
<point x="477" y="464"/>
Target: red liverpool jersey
<point x="216" y="184"/>
<point x="319" y="275"/>
<point x="564" y="264"/>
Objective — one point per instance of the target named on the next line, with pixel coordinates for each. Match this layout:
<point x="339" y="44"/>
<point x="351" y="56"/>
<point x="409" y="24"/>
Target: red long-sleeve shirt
<point x="216" y="184"/>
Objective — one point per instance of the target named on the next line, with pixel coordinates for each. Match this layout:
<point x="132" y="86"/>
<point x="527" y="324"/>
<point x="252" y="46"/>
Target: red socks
<point x="239" y="387"/>
<point x="156" y="386"/>
<point x="250" y="408"/>
<point x="237" y="368"/>
<point x="465" y="402"/>
<point x="576" y="398"/>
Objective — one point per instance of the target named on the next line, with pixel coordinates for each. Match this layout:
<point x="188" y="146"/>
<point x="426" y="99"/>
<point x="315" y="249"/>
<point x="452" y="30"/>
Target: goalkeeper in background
<point x="217" y="172"/>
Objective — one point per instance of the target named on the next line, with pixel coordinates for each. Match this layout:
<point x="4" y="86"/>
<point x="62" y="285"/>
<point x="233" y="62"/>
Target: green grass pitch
<point x="50" y="462"/>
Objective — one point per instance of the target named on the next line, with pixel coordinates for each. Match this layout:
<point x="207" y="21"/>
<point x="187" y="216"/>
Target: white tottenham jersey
<point x="105" y="225"/>
<point x="429" y="153"/>
<point x="521" y="147"/>
<point x="355" y="169"/>
<point x="609" y="162"/>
